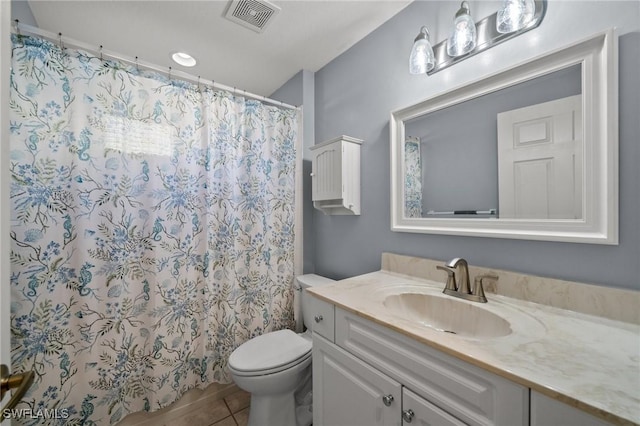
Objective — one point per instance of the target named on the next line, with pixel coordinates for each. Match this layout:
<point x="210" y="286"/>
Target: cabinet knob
<point x="407" y="415"/>
<point x="387" y="400"/>
<point x="312" y="174"/>
<point x="318" y="318"/>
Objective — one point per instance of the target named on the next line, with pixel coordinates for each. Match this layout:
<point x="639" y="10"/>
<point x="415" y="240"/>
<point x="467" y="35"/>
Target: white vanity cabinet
<point x="546" y="411"/>
<point x="367" y="362"/>
<point x="335" y="176"/>
<point x="347" y="391"/>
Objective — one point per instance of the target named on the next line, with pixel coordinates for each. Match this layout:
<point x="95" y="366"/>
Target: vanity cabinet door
<point x="346" y="391"/>
<point x="418" y="411"/>
<point x="549" y="412"/>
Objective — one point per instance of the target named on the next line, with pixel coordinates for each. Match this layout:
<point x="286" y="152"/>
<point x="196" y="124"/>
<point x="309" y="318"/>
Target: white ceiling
<point x="305" y="34"/>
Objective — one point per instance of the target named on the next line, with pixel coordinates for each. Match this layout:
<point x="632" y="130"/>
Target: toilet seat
<point x="279" y="369"/>
<point x="270" y="353"/>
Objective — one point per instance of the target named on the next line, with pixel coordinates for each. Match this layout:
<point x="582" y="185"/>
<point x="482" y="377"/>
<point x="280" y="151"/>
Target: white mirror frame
<point x="599" y="225"/>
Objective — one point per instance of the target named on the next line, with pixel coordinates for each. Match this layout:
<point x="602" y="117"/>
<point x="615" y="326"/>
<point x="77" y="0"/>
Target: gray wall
<point x="299" y="90"/>
<point x="21" y="11"/>
<point x="354" y="96"/>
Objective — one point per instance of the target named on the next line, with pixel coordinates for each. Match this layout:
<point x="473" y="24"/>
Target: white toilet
<point x="276" y="369"/>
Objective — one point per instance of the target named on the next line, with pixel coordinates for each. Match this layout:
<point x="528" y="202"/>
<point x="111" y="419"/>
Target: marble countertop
<point x="587" y="361"/>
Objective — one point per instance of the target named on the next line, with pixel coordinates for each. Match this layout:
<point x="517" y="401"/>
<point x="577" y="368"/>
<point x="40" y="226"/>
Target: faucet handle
<point x="451" y="278"/>
<point x="478" y="289"/>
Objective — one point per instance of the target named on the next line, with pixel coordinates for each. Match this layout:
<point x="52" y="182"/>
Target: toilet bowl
<point x="276" y="369"/>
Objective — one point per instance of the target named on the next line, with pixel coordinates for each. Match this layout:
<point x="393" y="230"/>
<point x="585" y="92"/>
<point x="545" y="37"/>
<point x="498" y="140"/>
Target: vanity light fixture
<point x="463" y="37"/>
<point x="183" y="59"/>
<point x="515" y="17"/>
<point x="422" y="59"/>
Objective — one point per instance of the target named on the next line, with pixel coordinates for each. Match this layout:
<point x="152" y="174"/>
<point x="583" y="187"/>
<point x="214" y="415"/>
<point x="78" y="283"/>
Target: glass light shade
<point x="514" y="15"/>
<point x="463" y="37"/>
<point x="422" y="59"/>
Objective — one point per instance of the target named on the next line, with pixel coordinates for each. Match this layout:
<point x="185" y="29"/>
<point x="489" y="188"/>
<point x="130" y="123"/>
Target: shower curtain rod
<point x="181" y="75"/>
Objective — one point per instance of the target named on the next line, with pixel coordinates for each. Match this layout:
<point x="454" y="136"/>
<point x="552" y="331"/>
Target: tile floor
<point x="237" y="413"/>
<point x="220" y="405"/>
<point x="232" y="410"/>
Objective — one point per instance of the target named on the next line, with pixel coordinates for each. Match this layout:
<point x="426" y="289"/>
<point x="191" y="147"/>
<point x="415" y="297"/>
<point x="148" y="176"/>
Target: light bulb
<point x="514" y="15"/>
<point x="422" y="59"/>
<point x="463" y="37"/>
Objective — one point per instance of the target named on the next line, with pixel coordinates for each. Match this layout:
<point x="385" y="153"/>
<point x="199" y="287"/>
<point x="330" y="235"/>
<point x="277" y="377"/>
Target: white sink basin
<point x="447" y="314"/>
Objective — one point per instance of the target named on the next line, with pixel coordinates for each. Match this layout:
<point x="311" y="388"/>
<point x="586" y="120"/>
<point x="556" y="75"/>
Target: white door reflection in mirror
<point x="540" y="160"/>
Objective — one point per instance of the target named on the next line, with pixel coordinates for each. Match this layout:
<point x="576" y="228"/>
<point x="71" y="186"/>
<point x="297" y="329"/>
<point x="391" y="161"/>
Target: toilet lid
<point x="270" y="351"/>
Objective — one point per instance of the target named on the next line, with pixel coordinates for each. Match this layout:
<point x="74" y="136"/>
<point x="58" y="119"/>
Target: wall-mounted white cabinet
<point x="336" y="176"/>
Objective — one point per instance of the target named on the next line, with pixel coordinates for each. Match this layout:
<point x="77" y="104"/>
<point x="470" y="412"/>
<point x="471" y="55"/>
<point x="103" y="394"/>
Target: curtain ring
<point x="60" y="41"/>
<point x="17" y="24"/>
<point x="169" y="73"/>
<point x="101" y="59"/>
<point x="137" y="66"/>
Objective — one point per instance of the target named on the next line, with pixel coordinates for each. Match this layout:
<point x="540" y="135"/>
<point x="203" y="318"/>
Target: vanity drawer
<point x="323" y="319"/>
<point x="426" y="413"/>
<point x="469" y="393"/>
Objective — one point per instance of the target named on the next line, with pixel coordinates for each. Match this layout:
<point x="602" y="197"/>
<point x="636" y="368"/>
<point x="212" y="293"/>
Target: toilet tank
<point x="304" y="282"/>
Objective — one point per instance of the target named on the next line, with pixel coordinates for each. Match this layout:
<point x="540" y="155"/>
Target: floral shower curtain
<point x="152" y="231"/>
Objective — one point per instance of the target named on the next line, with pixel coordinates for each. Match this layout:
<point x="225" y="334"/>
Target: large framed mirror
<point x="527" y="153"/>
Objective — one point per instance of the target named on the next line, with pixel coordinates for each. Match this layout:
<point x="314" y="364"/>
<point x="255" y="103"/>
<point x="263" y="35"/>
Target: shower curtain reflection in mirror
<point x="413" y="177"/>
<point x="152" y="231"/>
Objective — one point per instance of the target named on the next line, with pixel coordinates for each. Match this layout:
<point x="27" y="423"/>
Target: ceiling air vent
<point x="252" y="14"/>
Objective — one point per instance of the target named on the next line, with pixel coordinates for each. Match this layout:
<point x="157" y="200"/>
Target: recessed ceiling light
<point x="183" y="59"/>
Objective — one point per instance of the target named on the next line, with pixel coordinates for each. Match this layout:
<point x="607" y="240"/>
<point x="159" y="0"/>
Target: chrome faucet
<point x="463" y="280"/>
<point x="461" y="288"/>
